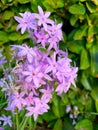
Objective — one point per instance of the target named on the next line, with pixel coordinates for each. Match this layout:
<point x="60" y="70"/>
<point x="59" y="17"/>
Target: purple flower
<point x="38" y="109"/>
<point x="43" y="18"/>
<point x="53" y="43"/>
<point x="16" y="100"/>
<point x="75" y="108"/>
<point x="22" y="52"/>
<point x="47" y="93"/>
<point x="68" y="108"/>
<point x="74" y="122"/>
<point x="52" y="67"/>
<point x="73" y="75"/>
<point x="2" y="60"/>
<point x="26" y="22"/>
<point x="55" y="30"/>
<point x="41" y="37"/>
<point x="71" y="116"/>
<point x="64" y="69"/>
<point x="34" y="74"/>
<point x="6" y="120"/>
<point x="29" y="99"/>
<point x="62" y="87"/>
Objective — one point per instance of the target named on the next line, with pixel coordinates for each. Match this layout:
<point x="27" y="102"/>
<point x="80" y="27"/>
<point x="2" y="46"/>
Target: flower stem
<point x="35" y="123"/>
<point x="17" y="121"/>
<point x="30" y="123"/>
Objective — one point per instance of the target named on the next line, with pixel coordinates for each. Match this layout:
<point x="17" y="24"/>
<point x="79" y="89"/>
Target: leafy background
<point x="80" y="30"/>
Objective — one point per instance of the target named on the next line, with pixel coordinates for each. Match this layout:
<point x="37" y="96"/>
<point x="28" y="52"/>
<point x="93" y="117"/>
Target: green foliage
<point x="77" y="9"/>
<point x="84" y="125"/>
<point x="80" y="30"/>
<point x="58" y="125"/>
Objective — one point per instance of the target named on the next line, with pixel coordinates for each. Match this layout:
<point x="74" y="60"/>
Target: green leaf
<point x="77" y="9"/>
<point x="84" y="125"/>
<point x="84" y="60"/>
<point x="48" y="116"/>
<point x="89" y="106"/>
<point x="64" y="99"/>
<point x="71" y="34"/>
<point x="7" y="127"/>
<point x="94" y="60"/>
<point x="3" y="104"/>
<point x="49" y="5"/>
<point x="1" y="26"/>
<point x="68" y="124"/>
<point x="91" y="7"/>
<point x="7" y="15"/>
<point x="96" y="104"/>
<point x="73" y="20"/>
<point x="91" y="30"/>
<point x="23" y="1"/>
<point x="75" y="46"/>
<point x="57" y="106"/>
<point x="34" y="5"/>
<point x="85" y="81"/>
<point x="3" y="37"/>
<point x="82" y="0"/>
<point x="74" y="1"/>
<point x="60" y="3"/>
<point x="80" y="33"/>
<point x="14" y="36"/>
<point x="58" y="125"/>
<point x="94" y="92"/>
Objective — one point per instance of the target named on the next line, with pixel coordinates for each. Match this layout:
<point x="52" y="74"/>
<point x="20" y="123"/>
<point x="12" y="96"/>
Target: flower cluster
<point x="37" y="73"/>
<point x="42" y="30"/>
<point x="73" y="113"/>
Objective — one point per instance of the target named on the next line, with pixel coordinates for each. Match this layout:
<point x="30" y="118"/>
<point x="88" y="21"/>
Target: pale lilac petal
<point x="40" y="10"/>
<point x="26" y="73"/>
<point x="23" y="29"/>
<point x="18" y="19"/>
<point x="28" y="79"/>
<point x="48" y="69"/>
<point x="35" y="116"/>
<point x="46" y="76"/>
<point x="30" y="58"/>
<point x="47" y="14"/>
<point x="36" y="82"/>
<point x="19" y="26"/>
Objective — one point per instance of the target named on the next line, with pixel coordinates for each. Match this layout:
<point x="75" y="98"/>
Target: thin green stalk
<point x="13" y="119"/>
<point x="30" y="123"/>
<point x="23" y="123"/>
<point x="35" y="124"/>
<point x="17" y="121"/>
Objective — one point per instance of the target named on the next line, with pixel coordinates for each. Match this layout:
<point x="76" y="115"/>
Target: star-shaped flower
<point x="6" y="120"/>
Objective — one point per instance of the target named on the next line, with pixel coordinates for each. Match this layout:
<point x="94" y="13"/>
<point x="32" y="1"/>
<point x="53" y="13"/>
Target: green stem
<point x="30" y="123"/>
<point x="14" y="120"/>
<point x="23" y="123"/>
<point x="17" y="121"/>
<point x="35" y="123"/>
